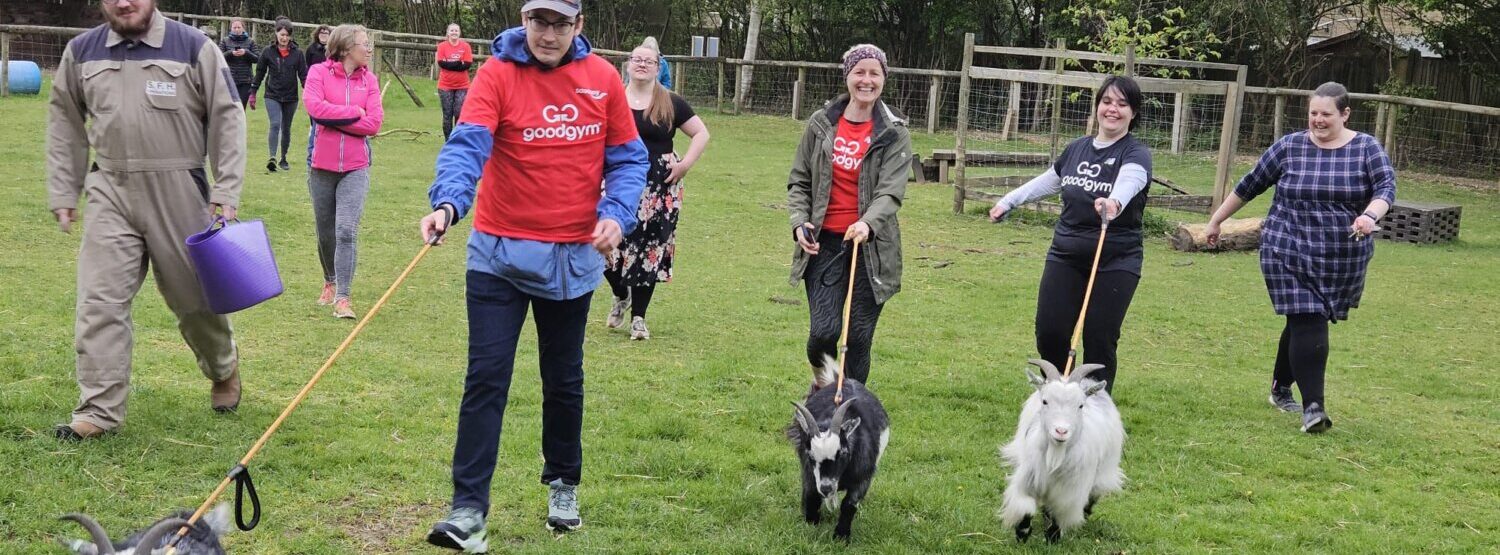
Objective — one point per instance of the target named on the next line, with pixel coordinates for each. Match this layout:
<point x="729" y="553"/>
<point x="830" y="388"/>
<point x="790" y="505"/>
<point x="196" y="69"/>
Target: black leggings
<point x="640" y="297"/>
<point x="1302" y="356"/>
<point x="827" y="280"/>
<point x="1057" y="304"/>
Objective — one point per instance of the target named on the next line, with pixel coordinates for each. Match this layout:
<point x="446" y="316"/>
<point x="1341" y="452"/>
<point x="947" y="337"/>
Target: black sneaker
<point x="285" y="166"/>
<point x="1281" y="398"/>
<point x="462" y="530"/>
<point x="1315" y="420"/>
<point x="271" y="165"/>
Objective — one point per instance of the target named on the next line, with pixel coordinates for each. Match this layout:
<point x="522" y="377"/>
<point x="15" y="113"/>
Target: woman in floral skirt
<point x="645" y="256"/>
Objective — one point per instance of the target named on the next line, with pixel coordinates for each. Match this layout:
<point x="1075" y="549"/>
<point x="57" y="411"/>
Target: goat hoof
<point x="841" y="534"/>
<point x="1054" y="534"/>
<point x="1023" y="530"/>
<point x="1088" y="510"/>
<point x="814" y="518"/>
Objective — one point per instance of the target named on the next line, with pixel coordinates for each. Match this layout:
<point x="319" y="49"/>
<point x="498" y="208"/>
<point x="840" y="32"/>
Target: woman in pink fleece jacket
<point x="343" y="98"/>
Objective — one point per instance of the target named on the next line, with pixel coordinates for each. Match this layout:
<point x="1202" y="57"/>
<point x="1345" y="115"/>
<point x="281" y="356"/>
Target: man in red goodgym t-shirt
<point x="545" y="121"/>
<point x="454" y="58"/>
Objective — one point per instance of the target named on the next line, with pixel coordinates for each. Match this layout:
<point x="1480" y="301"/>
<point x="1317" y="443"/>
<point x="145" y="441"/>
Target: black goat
<point x="202" y="538"/>
<point x="839" y="447"/>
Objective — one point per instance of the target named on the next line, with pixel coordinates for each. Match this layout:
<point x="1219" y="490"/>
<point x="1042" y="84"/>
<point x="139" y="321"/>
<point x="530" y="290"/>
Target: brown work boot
<point x="78" y="431"/>
<point x="225" y="395"/>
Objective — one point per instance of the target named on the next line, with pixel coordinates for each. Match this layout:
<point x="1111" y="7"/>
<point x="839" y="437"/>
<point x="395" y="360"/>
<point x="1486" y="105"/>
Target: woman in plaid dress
<point x="1332" y="185"/>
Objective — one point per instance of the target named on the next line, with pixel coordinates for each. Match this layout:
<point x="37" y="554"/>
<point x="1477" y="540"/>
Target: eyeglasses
<point x="643" y="61"/>
<point x="561" y="27"/>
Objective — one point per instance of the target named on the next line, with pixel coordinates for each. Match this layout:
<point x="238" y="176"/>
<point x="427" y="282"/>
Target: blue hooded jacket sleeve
<point x="459" y="166"/>
<point x="665" y="74"/>
<point x="625" y="168"/>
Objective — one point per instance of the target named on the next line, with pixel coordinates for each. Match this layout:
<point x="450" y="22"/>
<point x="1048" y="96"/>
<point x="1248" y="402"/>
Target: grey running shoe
<point x="562" y="507"/>
<point x="638" y="329"/>
<point x="617" y="313"/>
<point x="1281" y="398"/>
<point x="462" y="530"/>
<point x="1315" y="420"/>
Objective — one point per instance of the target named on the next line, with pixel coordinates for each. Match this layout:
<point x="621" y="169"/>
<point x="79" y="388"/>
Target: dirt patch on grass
<point x="386" y="529"/>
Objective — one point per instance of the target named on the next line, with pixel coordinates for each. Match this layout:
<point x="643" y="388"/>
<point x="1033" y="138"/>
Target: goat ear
<point x="78" y="547"/>
<point x="849" y="425"/>
<point x="1036" y="381"/>
<point x="1097" y="387"/>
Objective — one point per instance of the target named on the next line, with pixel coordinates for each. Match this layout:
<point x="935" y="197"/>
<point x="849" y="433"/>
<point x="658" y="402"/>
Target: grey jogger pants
<point x="338" y="201"/>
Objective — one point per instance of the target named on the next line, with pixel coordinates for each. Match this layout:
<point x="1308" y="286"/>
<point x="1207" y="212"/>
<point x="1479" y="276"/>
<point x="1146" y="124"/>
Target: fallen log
<point x="1234" y="235"/>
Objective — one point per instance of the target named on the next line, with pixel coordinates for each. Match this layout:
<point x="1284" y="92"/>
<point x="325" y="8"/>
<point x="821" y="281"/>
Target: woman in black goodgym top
<point x="1104" y="176"/>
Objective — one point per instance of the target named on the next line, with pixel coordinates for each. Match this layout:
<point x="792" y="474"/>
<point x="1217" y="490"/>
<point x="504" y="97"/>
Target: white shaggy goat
<point x="203" y="538"/>
<point x="1066" y="453"/>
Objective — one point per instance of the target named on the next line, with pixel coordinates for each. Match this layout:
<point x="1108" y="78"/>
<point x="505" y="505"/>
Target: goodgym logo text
<point x="561" y="126"/>
<point x="846" y="153"/>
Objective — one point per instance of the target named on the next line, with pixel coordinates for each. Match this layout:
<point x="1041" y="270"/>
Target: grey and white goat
<point x="1066" y="453"/>
<point x="839" y="447"/>
<point x="202" y="538"/>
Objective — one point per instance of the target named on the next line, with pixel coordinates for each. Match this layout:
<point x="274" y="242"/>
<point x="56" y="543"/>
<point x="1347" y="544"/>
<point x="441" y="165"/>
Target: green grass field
<point x="683" y="436"/>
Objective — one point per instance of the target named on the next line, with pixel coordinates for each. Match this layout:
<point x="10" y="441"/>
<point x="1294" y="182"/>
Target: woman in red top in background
<point x="454" y="57"/>
<point x="846" y="184"/>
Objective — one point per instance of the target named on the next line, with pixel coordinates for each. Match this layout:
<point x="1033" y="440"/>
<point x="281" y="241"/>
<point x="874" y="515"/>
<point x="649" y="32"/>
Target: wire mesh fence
<point x="43" y="50"/>
<point x="1448" y="141"/>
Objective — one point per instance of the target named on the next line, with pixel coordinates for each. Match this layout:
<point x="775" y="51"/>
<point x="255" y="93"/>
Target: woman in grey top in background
<point x="1101" y="177"/>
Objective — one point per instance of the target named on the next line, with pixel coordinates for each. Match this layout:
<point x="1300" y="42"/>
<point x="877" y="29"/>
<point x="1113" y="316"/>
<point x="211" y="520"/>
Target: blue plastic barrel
<point x="25" y="77"/>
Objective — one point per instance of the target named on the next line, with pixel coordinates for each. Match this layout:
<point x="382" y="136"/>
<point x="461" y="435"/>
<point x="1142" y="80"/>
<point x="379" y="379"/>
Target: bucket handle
<point x="218" y="220"/>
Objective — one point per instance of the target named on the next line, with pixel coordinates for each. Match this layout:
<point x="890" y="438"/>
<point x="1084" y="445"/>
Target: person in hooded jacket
<point x="241" y="52"/>
<point x="847" y="182"/>
<point x="281" y="68"/>
<point x="545" y="122"/>
<point x="343" y="100"/>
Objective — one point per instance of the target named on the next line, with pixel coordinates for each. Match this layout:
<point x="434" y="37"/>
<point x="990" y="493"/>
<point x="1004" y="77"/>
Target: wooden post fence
<point x="960" y="148"/>
<point x="934" y="97"/>
<point x="1012" y="125"/>
<point x="1277" y="115"/>
<point x="4" y="64"/>
<point x="1057" y="97"/>
<point x="797" y="91"/>
<point x="719" y="99"/>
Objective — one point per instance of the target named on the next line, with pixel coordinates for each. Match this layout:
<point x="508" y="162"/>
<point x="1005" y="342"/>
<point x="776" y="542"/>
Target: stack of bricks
<point x="1418" y="222"/>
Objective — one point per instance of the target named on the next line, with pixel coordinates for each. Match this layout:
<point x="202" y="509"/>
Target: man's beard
<point x="122" y="27"/>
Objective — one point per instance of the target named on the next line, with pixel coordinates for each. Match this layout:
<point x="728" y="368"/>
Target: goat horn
<point x="805" y="419"/>
<point x="1048" y="369"/>
<point x="152" y="537"/>
<point x="101" y="539"/>
<point x="1082" y="372"/>
<point x="838" y="415"/>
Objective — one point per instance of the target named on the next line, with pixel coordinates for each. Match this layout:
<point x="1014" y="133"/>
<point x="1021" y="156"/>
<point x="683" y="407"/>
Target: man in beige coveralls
<point x="159" y="98"/>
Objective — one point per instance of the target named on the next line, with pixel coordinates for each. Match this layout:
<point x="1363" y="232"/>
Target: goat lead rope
<point x="240" y="473"/>
<point x="1087" y="293"/>
<point x="838" y="394"/>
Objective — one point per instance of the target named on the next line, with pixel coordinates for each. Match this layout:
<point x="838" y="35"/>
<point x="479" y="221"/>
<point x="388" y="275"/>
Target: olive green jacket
<point x="882" y="186"/>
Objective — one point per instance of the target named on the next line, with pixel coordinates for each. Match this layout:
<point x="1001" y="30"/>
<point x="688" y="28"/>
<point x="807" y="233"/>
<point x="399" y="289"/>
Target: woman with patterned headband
<point x="834" y="199"/>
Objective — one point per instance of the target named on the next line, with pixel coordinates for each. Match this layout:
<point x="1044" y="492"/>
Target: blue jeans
<point x="497" y="310"/>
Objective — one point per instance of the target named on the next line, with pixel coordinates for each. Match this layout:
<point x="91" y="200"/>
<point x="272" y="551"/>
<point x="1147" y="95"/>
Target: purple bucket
<point x="235" y="264"/>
